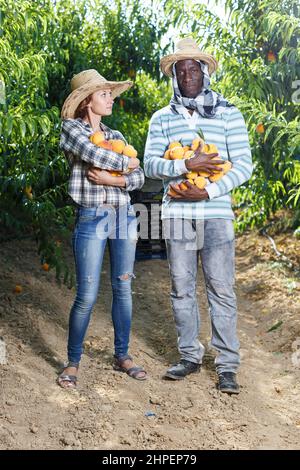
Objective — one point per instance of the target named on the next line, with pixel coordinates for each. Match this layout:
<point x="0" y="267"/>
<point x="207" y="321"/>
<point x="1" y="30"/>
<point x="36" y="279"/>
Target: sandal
<point x="133" y="372"/>
<point x="66" y="380"/>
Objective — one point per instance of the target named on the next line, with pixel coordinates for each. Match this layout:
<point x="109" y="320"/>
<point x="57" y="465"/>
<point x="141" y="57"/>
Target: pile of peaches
<point x="176" y="151"/>
<point x="115" y="145"/>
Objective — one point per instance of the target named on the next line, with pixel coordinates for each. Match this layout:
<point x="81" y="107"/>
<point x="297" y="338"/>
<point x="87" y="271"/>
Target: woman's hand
<point x="98" y="176"/>
<point x="133" y="163"/>
<point x="192" y="193"/>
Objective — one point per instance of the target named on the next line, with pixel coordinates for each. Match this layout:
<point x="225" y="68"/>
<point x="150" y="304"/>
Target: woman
<point x="104" y="214"/>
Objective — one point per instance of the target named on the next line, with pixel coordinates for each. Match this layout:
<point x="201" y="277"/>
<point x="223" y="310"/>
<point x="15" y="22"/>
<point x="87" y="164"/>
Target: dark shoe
<point x="183" y="368"/>
<point x="227" y="383"/>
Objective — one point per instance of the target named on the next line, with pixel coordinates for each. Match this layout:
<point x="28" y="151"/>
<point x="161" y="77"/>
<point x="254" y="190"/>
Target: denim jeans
<point x="94" y="228"/>
<point x="212" y="240"/>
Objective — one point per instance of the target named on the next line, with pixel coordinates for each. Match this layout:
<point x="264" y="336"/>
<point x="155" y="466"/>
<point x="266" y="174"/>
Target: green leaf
<point x="275" y="326"/>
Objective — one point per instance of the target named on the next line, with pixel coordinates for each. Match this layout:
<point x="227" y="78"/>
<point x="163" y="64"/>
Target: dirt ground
<point x="109" y="409"/>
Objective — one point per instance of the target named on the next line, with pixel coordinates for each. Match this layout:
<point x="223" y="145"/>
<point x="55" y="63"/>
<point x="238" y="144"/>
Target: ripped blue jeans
<point x="213" y="241"/>
<point x="95" y="227"/>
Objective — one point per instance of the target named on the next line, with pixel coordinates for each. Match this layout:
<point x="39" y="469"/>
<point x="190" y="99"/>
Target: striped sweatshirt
<point x="228" y="132"/>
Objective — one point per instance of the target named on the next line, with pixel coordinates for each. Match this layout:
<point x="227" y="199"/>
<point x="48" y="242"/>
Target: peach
<point x="105" y="144"/>
<point x="174" y="144"/>
<point x="204" y="174"/>
<point x="196" y="143"/>
<point x="192" y="175"/>
<point x="118" y="145"/>
<point x="188" y="154"/>
<point x="167" y="154"/>
<point x="177" y="153"/>
<point x="130" y="151"/>
<point x="97" y="137"/>
<point x="216" y="176"/>
<point x="210" y="148"/>
<point x="260" y="128"/>
<point x="226" y="166"/>
<point x="200" y="182"/>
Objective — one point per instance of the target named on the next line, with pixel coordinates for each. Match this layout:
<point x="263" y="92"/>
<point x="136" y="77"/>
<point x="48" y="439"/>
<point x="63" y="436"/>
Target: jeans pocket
<point x="86" y="214"/>
<point x="86" y="218"/>
<point x="218" y="233"/>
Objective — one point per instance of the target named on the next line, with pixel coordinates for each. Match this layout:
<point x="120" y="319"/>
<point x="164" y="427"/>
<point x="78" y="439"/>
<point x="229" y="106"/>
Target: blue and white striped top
<point x="227" y="131"/>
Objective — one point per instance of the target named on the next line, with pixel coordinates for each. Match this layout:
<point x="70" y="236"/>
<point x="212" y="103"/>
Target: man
<point x="199" y="222"/>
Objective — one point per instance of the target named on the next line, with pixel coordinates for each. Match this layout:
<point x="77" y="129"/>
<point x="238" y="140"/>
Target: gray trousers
<point x="213" y="240"/>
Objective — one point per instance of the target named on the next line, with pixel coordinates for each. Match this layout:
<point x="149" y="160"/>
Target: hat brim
<point x="74" y="99"/>
<point x="166" y="63"/>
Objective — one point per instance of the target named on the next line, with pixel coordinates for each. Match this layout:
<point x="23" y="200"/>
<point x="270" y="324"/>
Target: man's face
<point x="189" y="77"/>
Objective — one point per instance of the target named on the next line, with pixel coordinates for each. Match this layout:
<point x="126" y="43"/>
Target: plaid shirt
<point x="82" y="154"/>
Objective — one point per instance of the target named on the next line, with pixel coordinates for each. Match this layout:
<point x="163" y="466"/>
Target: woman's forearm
<point x="117" y="181"/>
<point x="105" y="178"/>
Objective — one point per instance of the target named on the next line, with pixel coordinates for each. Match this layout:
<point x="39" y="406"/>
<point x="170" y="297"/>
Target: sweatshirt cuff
<point x="179" y="167"/>
<point x="212" y="190"/>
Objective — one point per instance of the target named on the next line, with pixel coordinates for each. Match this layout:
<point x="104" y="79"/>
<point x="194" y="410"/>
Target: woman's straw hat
<point x="85" y="83"/>
<point x="187" y="49"/>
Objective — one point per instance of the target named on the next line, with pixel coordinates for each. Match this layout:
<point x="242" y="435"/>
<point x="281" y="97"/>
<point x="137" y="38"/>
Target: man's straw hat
<point x="187" y="49"/>
<point x="85" y="83"/>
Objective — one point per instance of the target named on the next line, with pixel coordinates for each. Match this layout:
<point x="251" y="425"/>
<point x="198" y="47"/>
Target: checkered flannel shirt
<point x="82" y="154"/>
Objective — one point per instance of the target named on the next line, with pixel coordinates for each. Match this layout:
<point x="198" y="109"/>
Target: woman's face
<point x="102" y="102"/>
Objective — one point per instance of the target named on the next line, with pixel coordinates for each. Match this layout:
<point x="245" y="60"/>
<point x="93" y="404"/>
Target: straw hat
<point x="85" y="83"/>
<point x="187" y="49"/>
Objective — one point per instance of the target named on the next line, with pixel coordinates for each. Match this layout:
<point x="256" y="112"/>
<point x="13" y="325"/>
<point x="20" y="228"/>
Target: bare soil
<point x="109" y="410"/>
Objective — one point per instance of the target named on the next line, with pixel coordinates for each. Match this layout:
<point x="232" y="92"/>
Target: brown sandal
<point x="132" y="371"/>
<point x="66" y="380"/>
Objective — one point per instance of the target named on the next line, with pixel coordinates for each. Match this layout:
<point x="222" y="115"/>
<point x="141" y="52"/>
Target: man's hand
<point x="133" y="163"/>
<point x="204" y="162"/>
<point x="192" y="193"/>
<point x="98" y="176"/>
